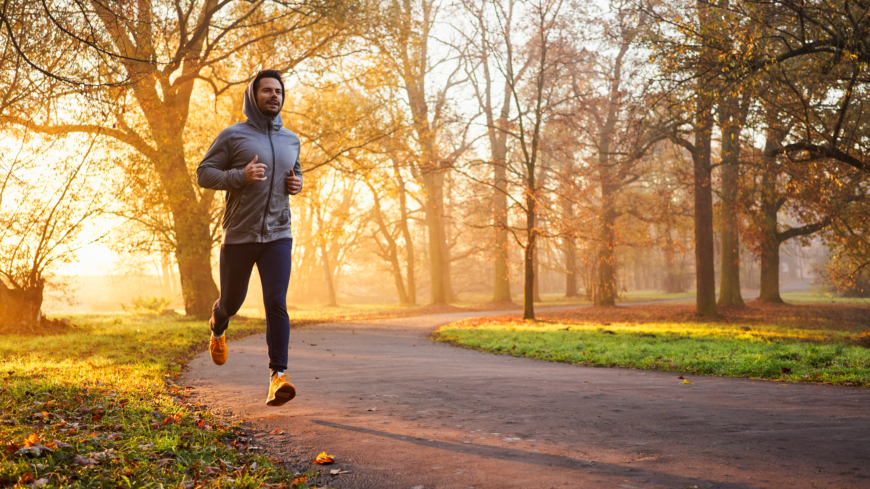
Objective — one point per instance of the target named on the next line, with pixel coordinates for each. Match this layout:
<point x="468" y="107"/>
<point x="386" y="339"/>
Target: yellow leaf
<point x="324" y="459"/>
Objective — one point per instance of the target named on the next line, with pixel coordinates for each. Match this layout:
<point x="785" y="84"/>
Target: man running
<point x="257" y="163"/>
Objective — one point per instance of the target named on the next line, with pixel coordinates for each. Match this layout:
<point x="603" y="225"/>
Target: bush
<point x="147" y="305"/>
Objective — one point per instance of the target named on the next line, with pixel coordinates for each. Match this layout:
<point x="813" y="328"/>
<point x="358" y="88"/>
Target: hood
<point x="256" y="118"/>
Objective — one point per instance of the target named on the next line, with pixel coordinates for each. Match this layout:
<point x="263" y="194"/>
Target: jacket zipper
<point x="271" y="182"/>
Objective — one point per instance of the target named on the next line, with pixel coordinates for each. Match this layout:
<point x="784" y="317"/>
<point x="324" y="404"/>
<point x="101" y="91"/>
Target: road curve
<point x="399" y="411"/>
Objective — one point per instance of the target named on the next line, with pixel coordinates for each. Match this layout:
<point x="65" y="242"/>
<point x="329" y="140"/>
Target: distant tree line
<point x="465" y="142"/>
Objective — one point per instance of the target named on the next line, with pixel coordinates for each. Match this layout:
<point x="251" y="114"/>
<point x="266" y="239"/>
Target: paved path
<point x="399" y="411"/>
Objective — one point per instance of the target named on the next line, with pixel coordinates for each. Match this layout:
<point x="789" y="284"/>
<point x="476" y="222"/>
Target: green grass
<point x="105" y="392"/>
<point x="319" y="312"/>
<point x="721" y="349"/>
<point x="656" y="295"/>
<point x="821" y="297"/>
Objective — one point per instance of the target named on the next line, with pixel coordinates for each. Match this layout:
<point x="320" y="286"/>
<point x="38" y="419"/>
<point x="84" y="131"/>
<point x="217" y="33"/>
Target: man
<point x="257" y="163"/>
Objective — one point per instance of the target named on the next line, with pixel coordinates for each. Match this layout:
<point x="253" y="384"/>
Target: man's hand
<point x="294" y="183"/>
<point x="255" y="172"/>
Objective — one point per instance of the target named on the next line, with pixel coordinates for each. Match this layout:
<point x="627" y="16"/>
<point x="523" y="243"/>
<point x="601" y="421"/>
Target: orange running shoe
<point x="280" y="390"/>
<point x="218" y="349"/>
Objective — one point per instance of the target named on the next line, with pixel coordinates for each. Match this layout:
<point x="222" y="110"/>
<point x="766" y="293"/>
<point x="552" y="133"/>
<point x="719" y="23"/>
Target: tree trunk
<point x="166" y="271"/>
<point x="704" y="254"/>
<point x="770" y="273"/>
<point x="397" y="278"/>
<point x="769" y="241"/>
<point x="327" y="274"/>
<point x="20" y="309"/>
<point x="570" y="268"/>
<point x="192" y="224"/>
<point x="536" y="287"/>
<point x="501" y="286"/>
<point x="673" y="277"/>
<point x="729" y="279"/>
<point x="193" y="252"/>
<point x="406" y="235"/>
<point x="607" y="241"/>
<point x="434" y="200"/>
<point x="531" y="234"/>
<point x="446" y="258"/>
<point x="392" y="251"/>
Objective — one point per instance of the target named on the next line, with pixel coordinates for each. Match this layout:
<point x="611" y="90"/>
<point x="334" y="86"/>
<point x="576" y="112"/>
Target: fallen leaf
<point x="785" y="370"/>
<point x="324" y="459"/>
<point x="686" y="382"/>
<point x="210" y="470"/>
<point x="338" y="471"/>
<point x="39" y="482"/>
<point x="164" y="462"/>
<point x="300" y="480"/>
<point x="680" y="377"/>
<point x="11" y="448"/>
<point x="276" y="431"/>
<point x="372" y="409"/>
<point x="84" y="461"/>
<point x="31" y="440"/>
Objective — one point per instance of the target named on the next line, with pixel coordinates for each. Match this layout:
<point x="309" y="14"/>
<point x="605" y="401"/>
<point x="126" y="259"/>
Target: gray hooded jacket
<point x="257" y="212"/>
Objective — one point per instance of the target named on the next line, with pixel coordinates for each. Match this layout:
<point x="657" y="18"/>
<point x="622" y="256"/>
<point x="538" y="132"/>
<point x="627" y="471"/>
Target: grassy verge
<point x="655" y="295"/>
<point x="804" y="343"/>
<point x="98" y="407"/>
<point x="822" y="297"/>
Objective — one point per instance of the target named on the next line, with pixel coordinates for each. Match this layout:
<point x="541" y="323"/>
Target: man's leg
<point x="236" y="263"/>
<point x="274" y="265"/>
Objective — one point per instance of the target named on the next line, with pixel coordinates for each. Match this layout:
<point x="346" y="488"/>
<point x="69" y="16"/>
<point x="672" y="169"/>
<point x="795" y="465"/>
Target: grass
<point x="804" y="343"/>
<point x="821" y="297"/>
<point x="655" y="295"/>
<point x="102" y="399"/>
<point x="352" y="312"/>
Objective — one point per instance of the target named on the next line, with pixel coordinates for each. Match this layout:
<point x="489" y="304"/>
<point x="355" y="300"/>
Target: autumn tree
<point x="140" y="66"/>
<point x="493" y="95"/>
<point x="617" y="123"/>
<point x="406" y="45"/>
<point x="536" y="93"/>
<point x="48" y="200"/>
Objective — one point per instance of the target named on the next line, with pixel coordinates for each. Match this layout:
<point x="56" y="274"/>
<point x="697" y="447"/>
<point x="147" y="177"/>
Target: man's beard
<point x="269" y="112"/>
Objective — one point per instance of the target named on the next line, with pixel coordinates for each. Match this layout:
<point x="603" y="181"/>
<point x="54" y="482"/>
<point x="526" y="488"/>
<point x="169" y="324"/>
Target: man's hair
<point x="268" y="74"/>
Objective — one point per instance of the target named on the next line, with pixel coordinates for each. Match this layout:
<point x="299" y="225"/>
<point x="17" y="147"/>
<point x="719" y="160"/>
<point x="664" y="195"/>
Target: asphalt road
<point x="399" y="411"/>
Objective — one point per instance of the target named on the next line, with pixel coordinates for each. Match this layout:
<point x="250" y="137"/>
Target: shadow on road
<point x="543" y="459"/>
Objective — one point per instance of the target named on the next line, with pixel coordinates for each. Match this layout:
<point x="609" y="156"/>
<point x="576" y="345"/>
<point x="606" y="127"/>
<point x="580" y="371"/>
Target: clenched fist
<point x="294" y="183"/>
<point x="255" y="172"/>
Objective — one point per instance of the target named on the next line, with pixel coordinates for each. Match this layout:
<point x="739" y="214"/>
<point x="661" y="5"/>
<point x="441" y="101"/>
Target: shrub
<point x="147" y="305"/>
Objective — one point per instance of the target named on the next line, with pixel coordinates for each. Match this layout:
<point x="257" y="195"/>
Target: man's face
<point x="269" y="97"/>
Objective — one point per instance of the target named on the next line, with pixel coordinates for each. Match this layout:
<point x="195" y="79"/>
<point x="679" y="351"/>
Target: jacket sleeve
<point x="214" y="170"/>
<point x="297" y="170"/>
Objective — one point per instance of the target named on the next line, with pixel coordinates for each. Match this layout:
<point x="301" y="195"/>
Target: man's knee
<point x="230" y="308"/>
<point x="275" y="303"/>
